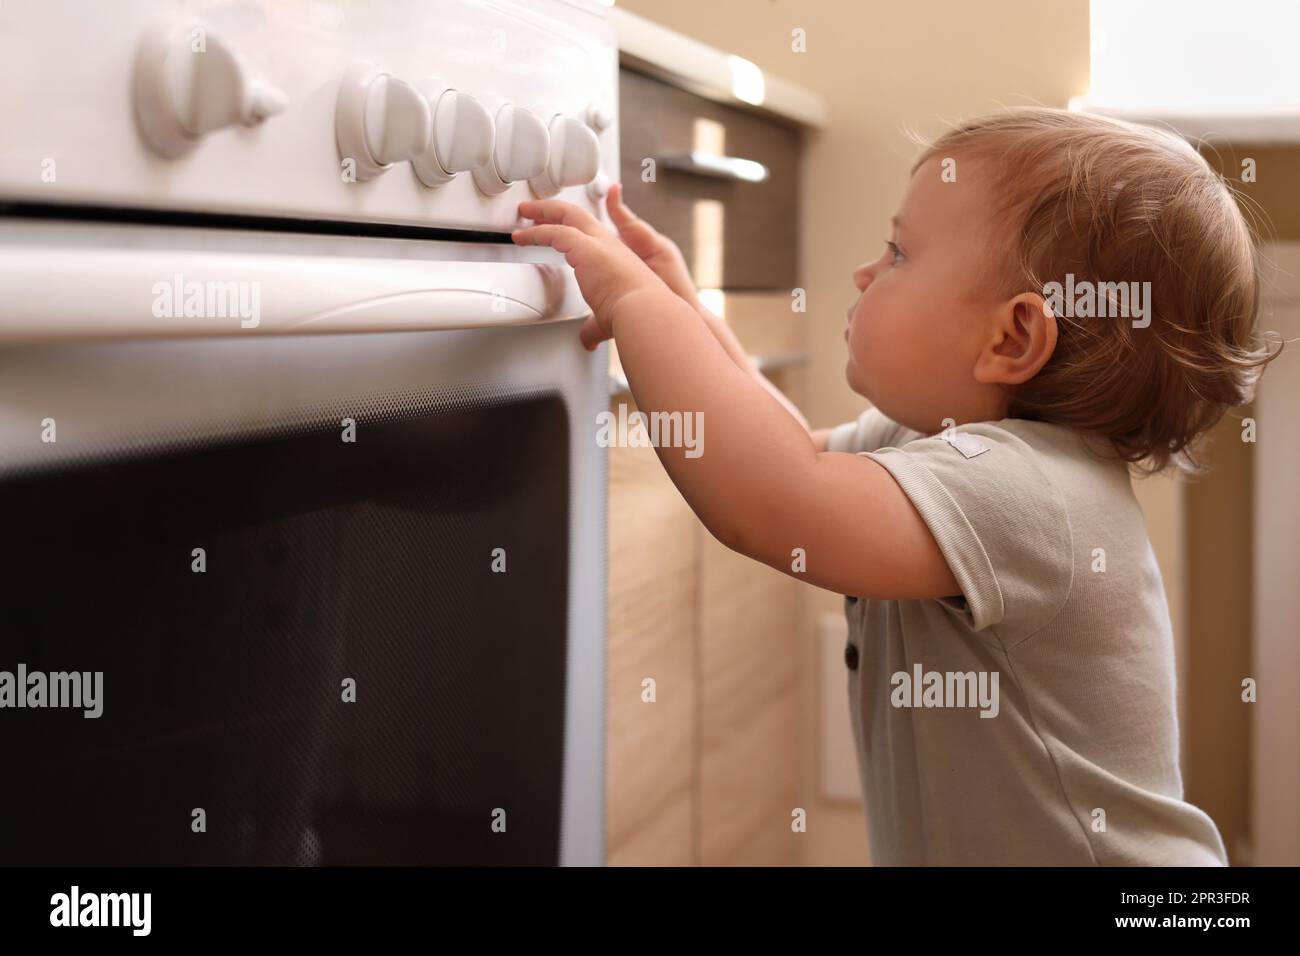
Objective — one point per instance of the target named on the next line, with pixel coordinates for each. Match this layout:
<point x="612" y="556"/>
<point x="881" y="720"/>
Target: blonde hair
<point x="1111" y="201"/>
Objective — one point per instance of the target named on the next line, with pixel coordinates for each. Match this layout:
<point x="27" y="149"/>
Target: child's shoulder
<point x="1021" y="456"/>
<point x="1040" y="444"/>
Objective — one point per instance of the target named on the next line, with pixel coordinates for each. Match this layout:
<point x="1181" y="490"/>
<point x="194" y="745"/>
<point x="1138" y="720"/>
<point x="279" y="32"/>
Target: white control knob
<point x="574" y="157"/>
<point x="462" y="134"/>
<point x="597" y="188"/>
<point x="520" y="151"/>
<point x="189" y="82"/>
<point x="598" y="117"/>
<point x="379" y="120"/>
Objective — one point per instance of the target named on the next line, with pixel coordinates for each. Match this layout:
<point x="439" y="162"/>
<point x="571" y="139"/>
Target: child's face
<point x="928" y="308"/>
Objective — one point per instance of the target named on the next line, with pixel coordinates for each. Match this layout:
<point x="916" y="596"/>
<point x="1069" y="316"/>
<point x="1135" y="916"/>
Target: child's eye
<point x="895" y="251"/>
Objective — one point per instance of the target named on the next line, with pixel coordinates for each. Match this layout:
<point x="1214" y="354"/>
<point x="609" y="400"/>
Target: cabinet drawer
<point x="734" y="234"/>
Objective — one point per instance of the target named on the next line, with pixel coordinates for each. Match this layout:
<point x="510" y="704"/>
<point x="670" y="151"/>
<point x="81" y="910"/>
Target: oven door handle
<point x="96" y="292"/>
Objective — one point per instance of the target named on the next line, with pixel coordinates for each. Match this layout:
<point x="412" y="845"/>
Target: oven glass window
<point x="364" y="663"/>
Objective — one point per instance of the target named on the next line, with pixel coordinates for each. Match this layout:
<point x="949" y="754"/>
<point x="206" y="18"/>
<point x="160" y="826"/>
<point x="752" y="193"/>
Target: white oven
<point x="299" y="486"/>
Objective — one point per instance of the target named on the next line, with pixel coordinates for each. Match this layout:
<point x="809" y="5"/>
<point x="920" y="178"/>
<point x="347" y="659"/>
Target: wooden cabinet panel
<point x="749" y="647"/>
<point x="708" y="773"/>
<point x="652" y="601"/>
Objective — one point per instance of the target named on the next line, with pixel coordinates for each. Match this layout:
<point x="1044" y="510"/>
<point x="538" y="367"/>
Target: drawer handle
<point x="719" y="167"/>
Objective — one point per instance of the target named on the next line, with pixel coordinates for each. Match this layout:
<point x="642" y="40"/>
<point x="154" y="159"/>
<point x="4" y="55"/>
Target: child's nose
<point x="862" y="276"/>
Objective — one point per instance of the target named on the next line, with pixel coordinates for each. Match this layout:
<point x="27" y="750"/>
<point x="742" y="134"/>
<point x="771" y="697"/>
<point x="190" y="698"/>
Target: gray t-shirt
<point x="1057" y="741"/>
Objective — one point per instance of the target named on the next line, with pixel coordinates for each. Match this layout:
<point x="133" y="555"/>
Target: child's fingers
<point x="634" y="230"/>
<point x="591" y="334"/>
<point x="556" y="211"/>
<point x="561" y="238"/>
<point x="618" y="212"/>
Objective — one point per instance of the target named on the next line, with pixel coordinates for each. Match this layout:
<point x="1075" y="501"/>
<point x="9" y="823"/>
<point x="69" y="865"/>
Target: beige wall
<point x="881" y="67"/>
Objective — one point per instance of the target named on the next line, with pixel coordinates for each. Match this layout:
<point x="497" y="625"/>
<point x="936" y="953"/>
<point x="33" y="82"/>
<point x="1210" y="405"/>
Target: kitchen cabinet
<point x="651" y="771"/>
<point x="707" y="773"/>
<point x="679" y="158"/>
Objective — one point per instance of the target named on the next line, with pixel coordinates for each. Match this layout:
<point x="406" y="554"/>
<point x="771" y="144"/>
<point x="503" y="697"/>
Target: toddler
<point x="1063" y="298"/>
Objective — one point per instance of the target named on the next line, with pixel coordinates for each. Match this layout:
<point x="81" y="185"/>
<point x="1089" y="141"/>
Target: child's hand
<point x="655" y="249"/>
<point x="607" y="271"/>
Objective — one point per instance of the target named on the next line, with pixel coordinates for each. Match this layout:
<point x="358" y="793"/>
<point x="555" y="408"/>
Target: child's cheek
<point x="880" y="329"/>
<point x="897" y="345"/>
<point x="874" y="349"/>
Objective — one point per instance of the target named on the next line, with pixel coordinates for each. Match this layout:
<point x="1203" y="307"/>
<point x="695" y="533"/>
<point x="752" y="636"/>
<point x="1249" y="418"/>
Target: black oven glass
<point x="372" y="561"/>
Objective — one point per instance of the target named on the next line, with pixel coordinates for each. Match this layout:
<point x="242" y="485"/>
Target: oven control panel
<point x="415" y="112"/>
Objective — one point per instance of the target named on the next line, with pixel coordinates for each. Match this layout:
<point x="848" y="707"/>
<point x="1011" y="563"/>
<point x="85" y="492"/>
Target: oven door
<point x="296" y="599"/>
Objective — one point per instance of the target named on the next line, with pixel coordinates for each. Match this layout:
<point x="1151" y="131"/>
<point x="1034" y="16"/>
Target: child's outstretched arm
<point x="665" y="260"/>
<point x="760" y="485"/>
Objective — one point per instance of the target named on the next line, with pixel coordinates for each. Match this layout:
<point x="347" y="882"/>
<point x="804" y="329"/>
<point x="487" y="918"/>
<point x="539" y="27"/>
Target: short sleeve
<point x="867" y="432"/>
<point x="1001" y="522"/>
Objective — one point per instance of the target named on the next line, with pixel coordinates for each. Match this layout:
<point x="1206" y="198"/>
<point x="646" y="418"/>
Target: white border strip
<point x="1279" y="125"/>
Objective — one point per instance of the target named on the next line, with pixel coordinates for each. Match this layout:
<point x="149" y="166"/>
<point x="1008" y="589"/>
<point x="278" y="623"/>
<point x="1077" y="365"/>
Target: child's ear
<point x="1022" y="339"/>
